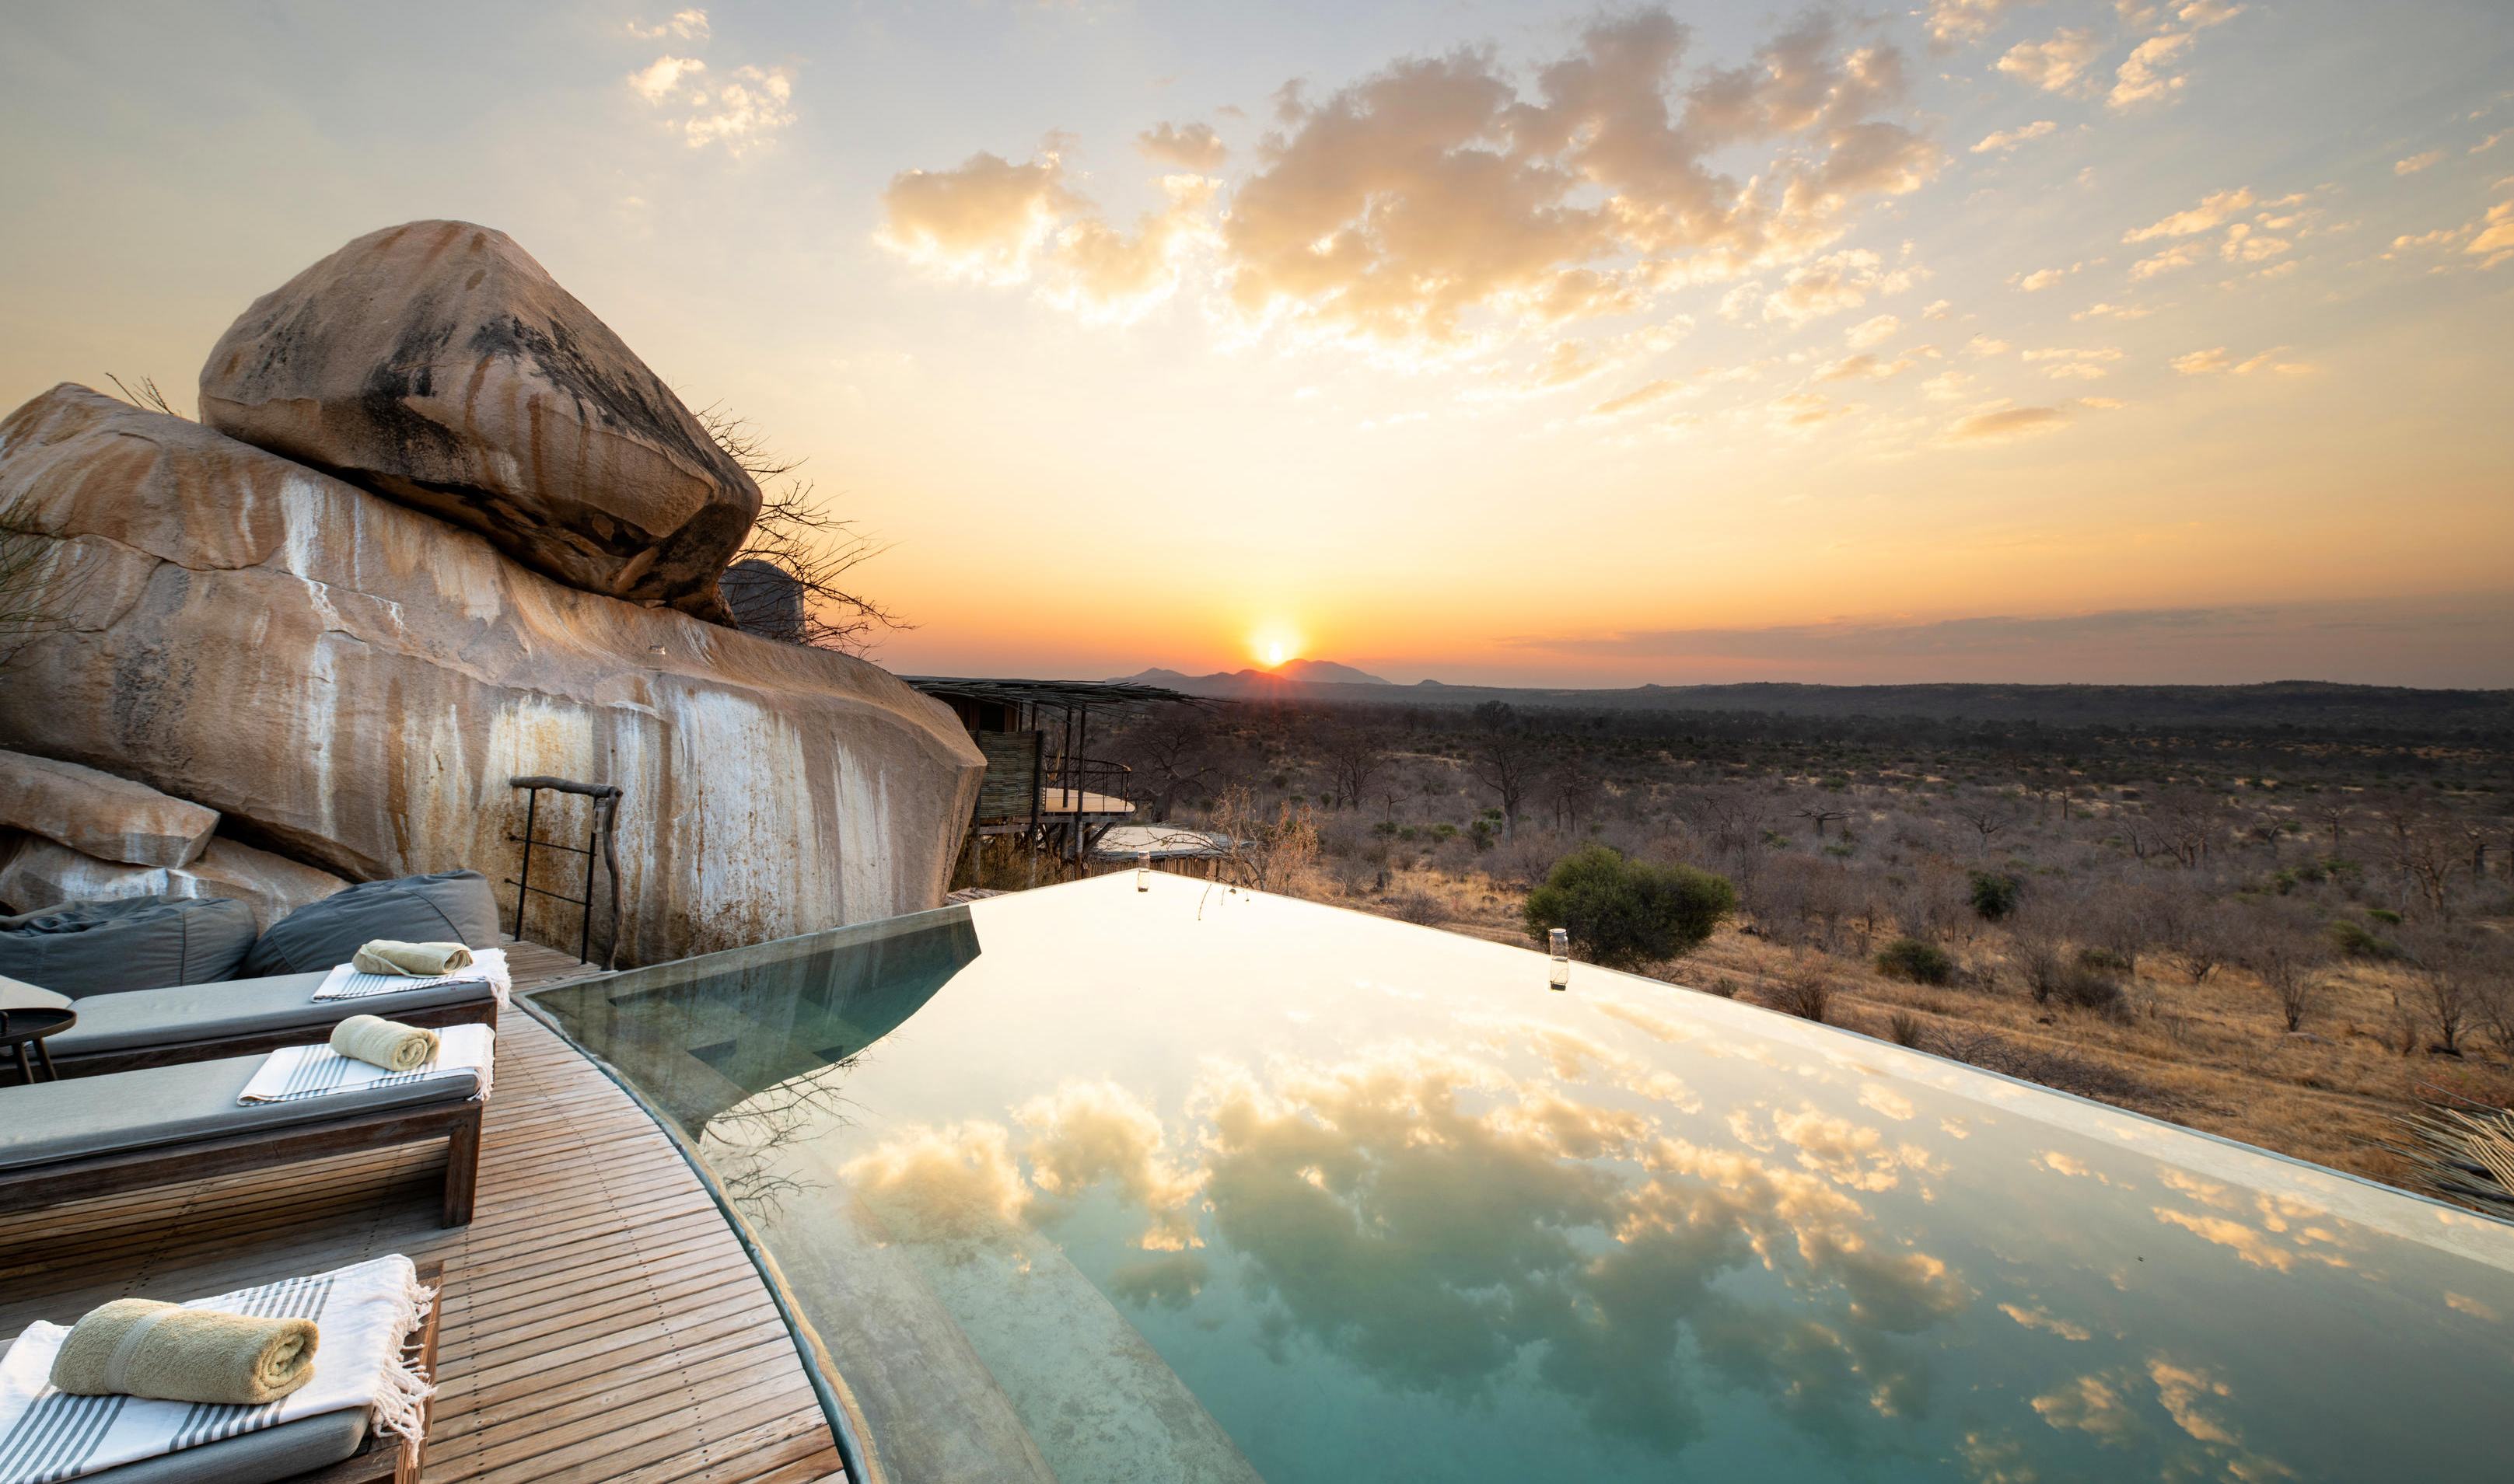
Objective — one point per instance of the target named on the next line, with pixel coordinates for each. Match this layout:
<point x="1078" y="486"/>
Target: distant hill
<point x="1291" y="674"/>
<point x="2304" y="704"/>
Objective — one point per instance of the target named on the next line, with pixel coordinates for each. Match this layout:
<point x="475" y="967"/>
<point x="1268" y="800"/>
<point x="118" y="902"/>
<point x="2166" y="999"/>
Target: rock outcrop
<point x="352" y="683"/>
<point x="437" y="363"/>
<point x="41" y="873"/>
<point x="97" y="814"/>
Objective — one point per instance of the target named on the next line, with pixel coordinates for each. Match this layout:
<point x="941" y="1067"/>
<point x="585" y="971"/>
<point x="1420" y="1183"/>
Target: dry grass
<point x="2214" y="1055"/>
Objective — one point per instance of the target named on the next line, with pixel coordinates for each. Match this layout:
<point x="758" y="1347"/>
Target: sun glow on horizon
<point x="1274" y="644"/>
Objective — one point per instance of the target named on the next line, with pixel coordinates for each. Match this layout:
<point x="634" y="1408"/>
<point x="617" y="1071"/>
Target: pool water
<point x="1189" y="1183"/>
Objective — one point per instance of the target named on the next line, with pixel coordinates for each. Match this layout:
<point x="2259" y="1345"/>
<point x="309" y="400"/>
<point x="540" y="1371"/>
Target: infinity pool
<point x="1093" y="1183"/>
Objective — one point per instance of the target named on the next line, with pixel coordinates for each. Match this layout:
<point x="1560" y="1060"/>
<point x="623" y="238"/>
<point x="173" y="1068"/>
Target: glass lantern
<point x="1143" y="870"/>
<point x="1559" y="942"/>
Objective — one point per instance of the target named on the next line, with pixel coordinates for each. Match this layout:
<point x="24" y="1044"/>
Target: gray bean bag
<point x="126" y="943"/>
<point x="450" y="907"/>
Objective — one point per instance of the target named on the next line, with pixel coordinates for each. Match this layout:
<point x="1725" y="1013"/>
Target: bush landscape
<point x="2289" y="935"/>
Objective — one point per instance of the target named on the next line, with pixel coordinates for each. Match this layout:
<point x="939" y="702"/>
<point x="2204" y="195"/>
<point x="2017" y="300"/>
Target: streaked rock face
<point x="436" y="362"/>
<point x="356" y="682"/>
<point x="95" y="814"/>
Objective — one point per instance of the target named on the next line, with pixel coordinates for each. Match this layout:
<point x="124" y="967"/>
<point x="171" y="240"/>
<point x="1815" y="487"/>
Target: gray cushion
<point x="190" y="1013"/>
<point x="449" y="906"/>
<point x="17" y="995"/>
<point x="263" y="1457"/>
<point x="50" y="1122"/>
<point x="81" y="949"/>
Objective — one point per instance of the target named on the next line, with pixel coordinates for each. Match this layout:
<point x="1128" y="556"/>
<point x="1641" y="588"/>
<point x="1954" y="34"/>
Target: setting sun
<point x="1274" y="644"/>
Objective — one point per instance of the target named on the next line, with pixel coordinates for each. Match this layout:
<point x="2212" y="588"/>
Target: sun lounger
<point x="196" y="1022"/>
<point x="125" y="1131"/>
<point x="333" y="1447"/>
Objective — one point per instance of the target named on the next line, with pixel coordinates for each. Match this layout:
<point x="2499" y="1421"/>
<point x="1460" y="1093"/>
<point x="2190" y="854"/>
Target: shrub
<point x="2355" y="941"/>
<point x="1802" y="988"/>
<point x="1420" y="907"/>
<point x="1904" y="1029"/>
<point x="1993" y="895"/>
<point x="2385" y="916"/>
<point x="1623" y="912"/>
<point x="1916" y="962"/>
<point x="2103" y="960"/>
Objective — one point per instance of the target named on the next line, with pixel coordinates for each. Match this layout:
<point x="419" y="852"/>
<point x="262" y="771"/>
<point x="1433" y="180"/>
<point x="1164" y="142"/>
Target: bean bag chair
<point x="127" y="943"/>
<point x="450" y="907"/>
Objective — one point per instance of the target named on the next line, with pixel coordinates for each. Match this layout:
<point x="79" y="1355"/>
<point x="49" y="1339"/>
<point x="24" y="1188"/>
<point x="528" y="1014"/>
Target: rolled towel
<point x="141" y="1348"/>
<point x="388" y="1044"/>
<point x="416" y="960"/>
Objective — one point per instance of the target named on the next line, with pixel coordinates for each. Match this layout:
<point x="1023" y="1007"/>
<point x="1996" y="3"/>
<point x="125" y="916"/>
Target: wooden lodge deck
<point x="602" y="1322"/>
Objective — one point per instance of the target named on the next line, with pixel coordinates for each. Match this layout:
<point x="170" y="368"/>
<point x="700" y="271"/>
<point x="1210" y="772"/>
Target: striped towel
<point x="365" y="1312"/>
<point x="487" y="966"/>
<point x="294" y="1072"/>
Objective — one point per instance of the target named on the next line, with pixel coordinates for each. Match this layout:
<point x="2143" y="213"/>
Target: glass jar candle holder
<point x="1143" y="870"/>
<point x="1558" y="941"/>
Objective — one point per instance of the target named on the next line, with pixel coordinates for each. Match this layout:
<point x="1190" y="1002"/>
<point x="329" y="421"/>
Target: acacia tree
<point x="1173" y="750"/>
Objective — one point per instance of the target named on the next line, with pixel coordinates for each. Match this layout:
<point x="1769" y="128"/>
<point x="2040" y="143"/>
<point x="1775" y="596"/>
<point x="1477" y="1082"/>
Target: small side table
<point x="27" y="1015"/>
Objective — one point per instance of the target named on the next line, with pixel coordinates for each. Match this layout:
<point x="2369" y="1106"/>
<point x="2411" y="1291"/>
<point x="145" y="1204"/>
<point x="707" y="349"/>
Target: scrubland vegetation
<point x="2292" y="938"/>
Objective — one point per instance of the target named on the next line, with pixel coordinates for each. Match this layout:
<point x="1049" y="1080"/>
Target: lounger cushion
<point x="191" y="1014"/>
<point x="81" y="949"/>
<point x="451" y="905"/>
<point x="265" y="1457"/>
<point x="50" y="1122"/>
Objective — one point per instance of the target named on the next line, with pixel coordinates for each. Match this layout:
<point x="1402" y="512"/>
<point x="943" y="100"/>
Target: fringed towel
<point x="293" y="1072"/>
<point x="365" y="1313"/>
<point x="487" y="966"/>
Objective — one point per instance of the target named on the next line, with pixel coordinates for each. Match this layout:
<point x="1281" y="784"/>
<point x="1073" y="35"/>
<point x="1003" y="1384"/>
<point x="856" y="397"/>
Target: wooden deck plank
<point x="601" y="1321"/>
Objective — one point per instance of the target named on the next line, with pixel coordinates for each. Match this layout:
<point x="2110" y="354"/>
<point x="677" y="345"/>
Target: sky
<point x="1516" y="344"/>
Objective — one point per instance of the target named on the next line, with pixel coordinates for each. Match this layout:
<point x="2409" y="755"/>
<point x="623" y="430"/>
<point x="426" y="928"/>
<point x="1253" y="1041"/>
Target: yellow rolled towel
<point x="141" y="1348"/>
<point x="422" y="960"/>
<point x="383" y="1043"/>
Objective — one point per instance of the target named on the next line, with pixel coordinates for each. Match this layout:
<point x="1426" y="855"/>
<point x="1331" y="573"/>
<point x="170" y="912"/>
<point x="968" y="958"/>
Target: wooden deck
<point x="602" y="1322"/>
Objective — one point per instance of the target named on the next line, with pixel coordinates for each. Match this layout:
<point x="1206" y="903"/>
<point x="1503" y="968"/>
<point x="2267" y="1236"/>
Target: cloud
<point x="1833" y="283"/>
<point x="2007" y="422"/>
<point x="983" y="219"/>
<point x="2209" y="362"/>
<point x="2496" y="237"/>
<point x="1447" y="203"/>
<point x="2181" y="256"/>
<point x="2044" y="278"/>
<point x="2213" y="209"/>
<point x="1865" y="367"/>
<point x="661" y="80"/>
<point x="2054" y="64"/>
<point x="2008" y="140"/>
<point x="1871" y="333"/>
<point x="2417" y="162"/>
<point x="1640" y="396"/>
<point x="1191" y="146"/>
<point x="1937" y="309"/>
<point x="2090" y="1405"/>
<point x="688" y="25"/>
<point x="1962" y="22"/>
<point x="2103" y="311"/>
<point x="2043" y="1320"/>
<point x="2125" y="640"/>
<point x="2144" y="76"/>
<point x="743" y="114"/>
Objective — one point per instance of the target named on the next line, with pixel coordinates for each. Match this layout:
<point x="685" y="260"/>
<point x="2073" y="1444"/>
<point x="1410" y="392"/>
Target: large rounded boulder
<point x="437" y="363"/>
<point x="353" y="684"/>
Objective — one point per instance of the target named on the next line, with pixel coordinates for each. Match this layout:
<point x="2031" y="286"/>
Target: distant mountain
<point x="1256" y="682"/>
<point x="2293" y="703"/>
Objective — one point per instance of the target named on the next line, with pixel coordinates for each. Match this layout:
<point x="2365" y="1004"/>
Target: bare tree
<point x="1502" y="756"/>
<point x="1988" y="818"/>
<point x="1823" y="816"/>
<point x="1262" y="852"/>
<point x="2289" y="962"/>
<point x="1171" y="750"/>
<point x="2447" y="971"/>
<point x="1354" y="757"/>
<point x="795" y="534"/>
